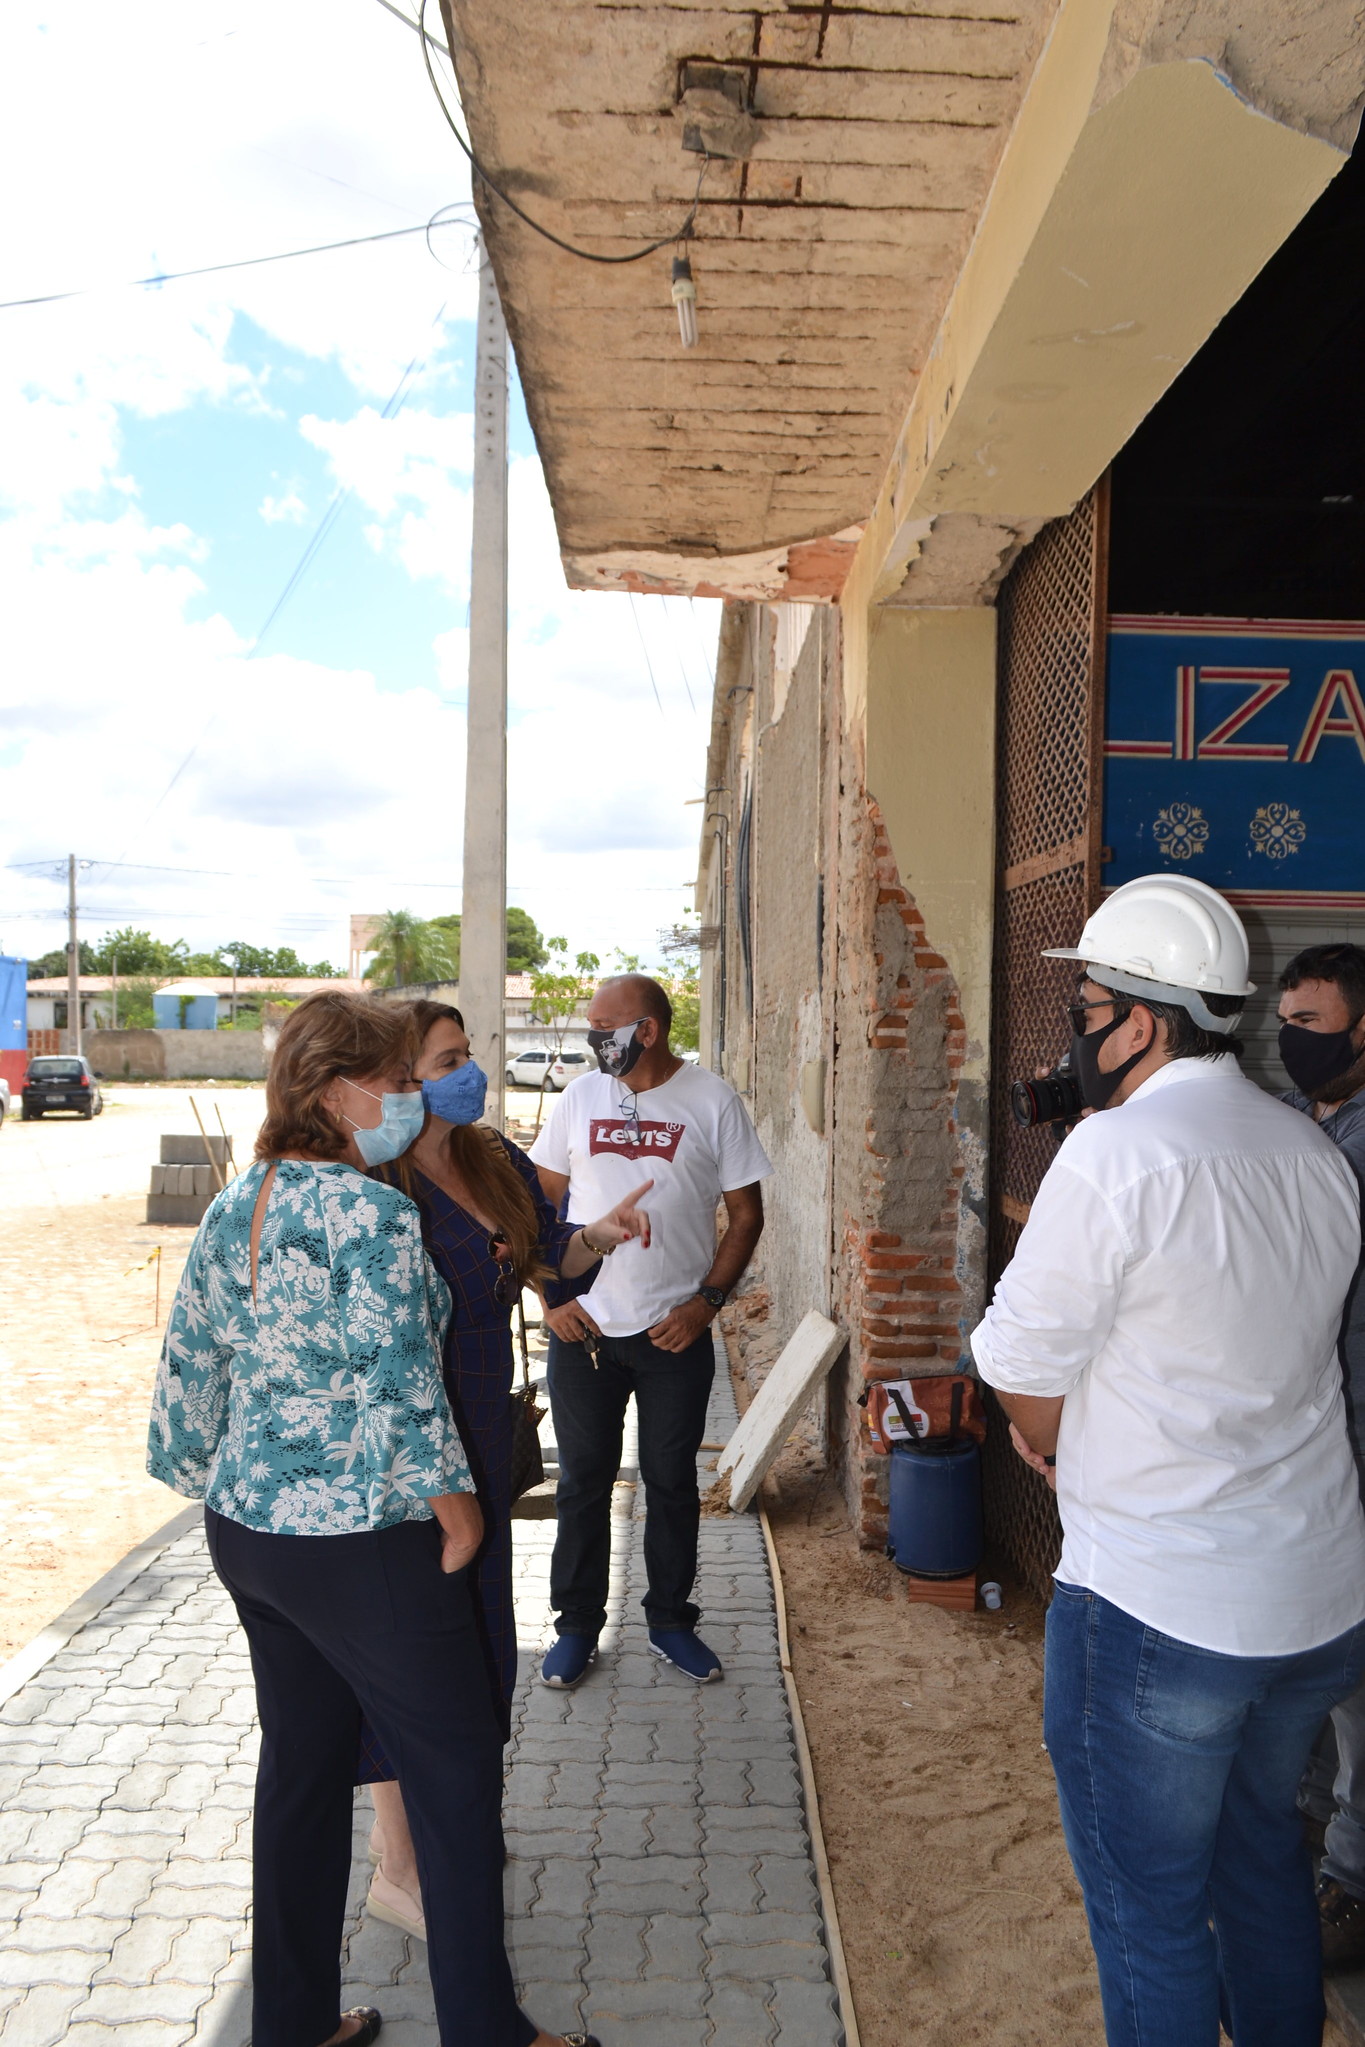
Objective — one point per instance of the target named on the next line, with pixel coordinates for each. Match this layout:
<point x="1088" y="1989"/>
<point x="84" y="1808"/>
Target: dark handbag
<point x="528" y="1465"/>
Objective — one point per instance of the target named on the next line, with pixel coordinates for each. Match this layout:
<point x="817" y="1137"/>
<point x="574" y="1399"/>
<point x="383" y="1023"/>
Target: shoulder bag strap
<point x="258" y="1221"/>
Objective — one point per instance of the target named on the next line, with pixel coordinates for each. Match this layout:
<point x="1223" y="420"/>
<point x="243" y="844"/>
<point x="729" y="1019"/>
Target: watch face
<point x="712" y="1295"/>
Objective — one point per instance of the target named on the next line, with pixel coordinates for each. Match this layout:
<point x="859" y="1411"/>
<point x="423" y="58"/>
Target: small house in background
<point x="185" y="1006"/>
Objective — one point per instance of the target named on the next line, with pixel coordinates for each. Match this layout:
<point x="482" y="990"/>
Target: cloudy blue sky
<point x="169" y="453"/>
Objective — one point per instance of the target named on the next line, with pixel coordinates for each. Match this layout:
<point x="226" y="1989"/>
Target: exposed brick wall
<point x="908" y="1282"/>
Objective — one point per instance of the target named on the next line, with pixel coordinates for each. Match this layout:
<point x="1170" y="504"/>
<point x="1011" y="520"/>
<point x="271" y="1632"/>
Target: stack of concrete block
<point x="185" y="1183"/>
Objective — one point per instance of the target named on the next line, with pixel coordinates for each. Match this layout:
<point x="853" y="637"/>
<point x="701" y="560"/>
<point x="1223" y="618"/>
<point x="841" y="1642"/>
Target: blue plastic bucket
<point x="935" y="1522"/>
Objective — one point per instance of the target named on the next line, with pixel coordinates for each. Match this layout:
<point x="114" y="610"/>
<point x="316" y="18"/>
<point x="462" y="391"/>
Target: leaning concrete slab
<point x="767" y="1423"/>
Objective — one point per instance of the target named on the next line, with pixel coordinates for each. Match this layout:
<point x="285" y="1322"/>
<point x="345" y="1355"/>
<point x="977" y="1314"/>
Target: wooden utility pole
<point x="483" y="912"/>
<point x="73" y="959"/>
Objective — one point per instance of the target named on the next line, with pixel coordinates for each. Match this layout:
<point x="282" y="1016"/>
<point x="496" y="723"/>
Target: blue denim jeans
<point x="1177" y="1770"/>
<point x="588" y="1403"/>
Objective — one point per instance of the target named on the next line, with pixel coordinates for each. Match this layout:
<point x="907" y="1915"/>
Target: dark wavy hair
<point x="479" y="1155"/>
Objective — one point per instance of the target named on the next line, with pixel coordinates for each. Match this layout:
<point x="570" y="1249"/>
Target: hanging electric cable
<point x="679" y="234"/>
<point x="388" y="234"/>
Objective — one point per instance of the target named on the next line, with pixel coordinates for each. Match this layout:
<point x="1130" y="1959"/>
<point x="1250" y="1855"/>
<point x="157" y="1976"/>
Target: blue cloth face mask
<point x="458" y="1096"/>
<point x="400" y="1125"/>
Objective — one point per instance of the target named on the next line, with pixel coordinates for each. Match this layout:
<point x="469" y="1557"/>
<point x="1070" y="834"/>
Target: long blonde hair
<point x="479" y="1156"/>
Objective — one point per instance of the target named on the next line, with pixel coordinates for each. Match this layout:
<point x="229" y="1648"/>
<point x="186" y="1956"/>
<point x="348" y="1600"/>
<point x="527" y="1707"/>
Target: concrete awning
<point x="823" y="263"/>
<point x="969" y="247"/>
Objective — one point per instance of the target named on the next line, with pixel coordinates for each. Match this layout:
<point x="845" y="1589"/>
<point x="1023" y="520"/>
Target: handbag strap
<point x="521" y="1334"/>
<point x="897" y="1399"/>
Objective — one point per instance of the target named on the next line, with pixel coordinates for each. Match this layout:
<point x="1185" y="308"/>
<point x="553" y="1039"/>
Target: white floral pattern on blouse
<point x="319" y="1408"/>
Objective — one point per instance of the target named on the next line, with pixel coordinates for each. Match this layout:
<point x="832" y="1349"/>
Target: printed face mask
<point x="400" y="1124"/>
<point x="458" y="1096"/>
<point x="1314" y="1059"/>
<point x="1096" y="1087"/>
<point x="618" y="1051"/>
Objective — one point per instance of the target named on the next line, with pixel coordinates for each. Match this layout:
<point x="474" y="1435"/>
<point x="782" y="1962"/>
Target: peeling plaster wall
<point x="788" y="1007"/>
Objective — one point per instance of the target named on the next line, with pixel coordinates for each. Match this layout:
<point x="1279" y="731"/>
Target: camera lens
<point x="1054" y="1099"/>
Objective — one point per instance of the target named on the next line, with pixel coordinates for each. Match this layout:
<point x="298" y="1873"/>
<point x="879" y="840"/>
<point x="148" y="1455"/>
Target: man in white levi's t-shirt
<point x="680" y="1139"/>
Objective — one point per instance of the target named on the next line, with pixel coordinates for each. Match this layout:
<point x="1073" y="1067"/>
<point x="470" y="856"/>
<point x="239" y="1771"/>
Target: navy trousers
<point x="588" y="1403"/>
<point x="337" y="1624"/>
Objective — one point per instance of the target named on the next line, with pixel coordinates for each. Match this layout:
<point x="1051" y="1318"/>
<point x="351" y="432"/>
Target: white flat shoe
<point x="395" y="1907"/>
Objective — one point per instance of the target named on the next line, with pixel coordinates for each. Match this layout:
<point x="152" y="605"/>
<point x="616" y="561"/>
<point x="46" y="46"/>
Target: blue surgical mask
<point x="400" y="1125"/>
<point x="458" y="1096"/>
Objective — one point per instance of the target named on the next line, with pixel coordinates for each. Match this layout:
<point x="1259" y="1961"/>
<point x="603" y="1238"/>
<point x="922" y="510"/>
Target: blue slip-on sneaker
<point x="686" y="1650"/>
<point x="565" y="1662"/>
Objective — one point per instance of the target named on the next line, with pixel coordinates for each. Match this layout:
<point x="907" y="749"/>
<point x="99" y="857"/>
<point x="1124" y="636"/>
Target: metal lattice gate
<point x="1050" y="739"/>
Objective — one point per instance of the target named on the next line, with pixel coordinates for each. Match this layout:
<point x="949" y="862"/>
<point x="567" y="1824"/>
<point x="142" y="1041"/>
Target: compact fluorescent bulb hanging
<point x="685" y="299"/>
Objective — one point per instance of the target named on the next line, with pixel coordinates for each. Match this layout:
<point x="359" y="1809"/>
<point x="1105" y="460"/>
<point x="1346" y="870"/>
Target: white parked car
<point x="568" y="1066"/>
<point x="4" y="1098"/>
<point x="527" y="1069"/>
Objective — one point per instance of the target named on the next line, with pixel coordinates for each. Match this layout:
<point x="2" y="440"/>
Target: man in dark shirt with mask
<point x="1322" y="1045"/>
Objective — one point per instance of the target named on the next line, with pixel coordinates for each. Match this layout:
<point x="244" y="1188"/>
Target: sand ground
<point x="79" y="1338"/>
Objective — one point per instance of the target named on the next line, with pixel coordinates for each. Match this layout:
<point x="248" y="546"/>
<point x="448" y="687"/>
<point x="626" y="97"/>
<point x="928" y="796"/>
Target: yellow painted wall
<point x="931" y="769"/>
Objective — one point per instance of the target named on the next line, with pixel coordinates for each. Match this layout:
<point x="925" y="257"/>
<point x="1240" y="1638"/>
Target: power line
<point x="682" y="668"/>
<point x="645" y="650"/>
<point x="305" y="561"/>
<point x="417" y="28"/>
<point x="389" y="234"/>
<point x="585" y="255"/>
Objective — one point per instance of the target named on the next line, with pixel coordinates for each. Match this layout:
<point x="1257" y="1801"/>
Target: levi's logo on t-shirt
<point x="634" y="1140"/>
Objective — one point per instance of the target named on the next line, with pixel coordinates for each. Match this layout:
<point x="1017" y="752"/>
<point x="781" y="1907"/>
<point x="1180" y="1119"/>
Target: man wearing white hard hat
<point x="1165" y="1340"/>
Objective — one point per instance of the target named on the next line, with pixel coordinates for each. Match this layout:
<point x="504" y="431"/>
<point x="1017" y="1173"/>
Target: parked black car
<point x="60" y="1081"/>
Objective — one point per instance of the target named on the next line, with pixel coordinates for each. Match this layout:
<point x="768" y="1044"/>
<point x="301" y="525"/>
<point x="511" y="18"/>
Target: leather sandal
<point x="369" y="2027"/>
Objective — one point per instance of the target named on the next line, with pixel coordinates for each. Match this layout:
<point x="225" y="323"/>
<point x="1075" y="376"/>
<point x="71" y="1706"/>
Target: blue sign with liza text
<point x="1235" y="752"/>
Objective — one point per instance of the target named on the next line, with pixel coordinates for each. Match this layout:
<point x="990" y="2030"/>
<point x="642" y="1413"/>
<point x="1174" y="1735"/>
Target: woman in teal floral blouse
<point x="300" y="1397"/>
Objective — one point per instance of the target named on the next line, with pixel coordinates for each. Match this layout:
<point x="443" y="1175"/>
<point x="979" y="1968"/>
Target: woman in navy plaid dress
<point x="490" y="1231"/>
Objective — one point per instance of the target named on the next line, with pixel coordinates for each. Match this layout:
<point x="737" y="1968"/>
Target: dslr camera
<point x="1056" y="1098"/>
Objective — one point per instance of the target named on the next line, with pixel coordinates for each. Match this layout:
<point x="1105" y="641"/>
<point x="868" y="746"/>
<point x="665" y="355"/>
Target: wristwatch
<point x="714" y="1296"/>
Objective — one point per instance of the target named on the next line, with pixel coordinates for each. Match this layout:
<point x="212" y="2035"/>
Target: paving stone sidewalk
<point x="660" y="1883"/>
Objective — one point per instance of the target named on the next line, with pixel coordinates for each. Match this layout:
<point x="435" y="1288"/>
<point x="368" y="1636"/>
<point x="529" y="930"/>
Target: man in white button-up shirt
<point x="1167" y="1329"/>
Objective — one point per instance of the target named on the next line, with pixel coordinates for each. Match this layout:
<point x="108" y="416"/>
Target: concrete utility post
<point x="483" y="914"/>
<point x="73" y="959"/>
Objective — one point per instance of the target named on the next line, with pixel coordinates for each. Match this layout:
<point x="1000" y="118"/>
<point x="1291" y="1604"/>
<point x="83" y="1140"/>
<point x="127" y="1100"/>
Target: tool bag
<point x="528" y="1465"/>
<point x="924" y="1414"/>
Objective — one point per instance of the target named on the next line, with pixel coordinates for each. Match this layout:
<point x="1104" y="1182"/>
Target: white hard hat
<point x="1171" y="939"/>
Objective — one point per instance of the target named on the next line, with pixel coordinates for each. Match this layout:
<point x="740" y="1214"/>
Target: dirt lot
<point x="962" y="1922"/>
<point x="961" y="1919"/>
<point x="79" y="1341"/>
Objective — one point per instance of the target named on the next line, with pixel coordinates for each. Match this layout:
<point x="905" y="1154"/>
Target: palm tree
<point x="408" y="949"/>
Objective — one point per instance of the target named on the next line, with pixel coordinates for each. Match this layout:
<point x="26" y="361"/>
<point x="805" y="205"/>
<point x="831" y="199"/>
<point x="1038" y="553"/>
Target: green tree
<point x="409" y="949"/>
<point x="136" y="1011"/>
<point x="684" y="992"/>
<point x="525" y="946"/>
<point x="137" y="952"/>
<point x="258" y="961"/>
<point x="558" y="992"/>
<point x="681" y="946"/>
<point x="52" y="965"/>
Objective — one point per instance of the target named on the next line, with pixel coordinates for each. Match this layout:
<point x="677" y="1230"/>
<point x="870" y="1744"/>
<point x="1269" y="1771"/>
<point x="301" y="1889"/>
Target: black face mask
<point x="617" y="1051"/>
<point x="1097" y="1088"/>
<point x="1313" y="1059"/>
